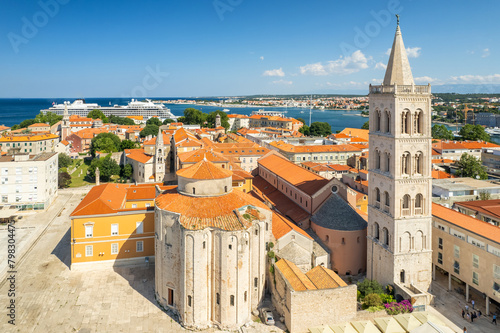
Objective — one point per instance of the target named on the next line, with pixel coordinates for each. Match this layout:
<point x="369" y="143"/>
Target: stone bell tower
<point x="400" y="182"/>
<point x="159" y="158"/>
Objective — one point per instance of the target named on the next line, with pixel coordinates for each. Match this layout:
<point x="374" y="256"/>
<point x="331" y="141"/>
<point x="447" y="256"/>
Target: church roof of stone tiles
<point x="336" y="214"/>
<point x="138" y="155"/>
<point x="356" y="132"/>
<point x="398" y="68"/>
<point x="204" y="169"/>
<point x="282" y="226"/>
<point x="324" y="278"/>
<point x="467" y="222"/>
<point x="196" y="156"/>
<point x="305" y="180"/>
<point x="197" y="213"/>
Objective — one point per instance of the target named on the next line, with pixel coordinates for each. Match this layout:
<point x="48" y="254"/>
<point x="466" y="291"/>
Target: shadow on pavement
<point x="62" y="250"/>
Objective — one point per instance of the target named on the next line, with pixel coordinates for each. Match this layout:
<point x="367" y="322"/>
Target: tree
<point x="49" y="117"/>
<point x="106" y="143"/>
<point x="64" y="179"/>
<point x="320" y="129"/>
<point x="194" y="117"/>
<point x="304" y="130"/>
<point x="370" y="287"/>
<point x="372" y="300"/>
<point x="441" y="132"/>
<point x="154" y="121"/>
<point x="96" y="113"/>
<point x="127" y="171"/>
<point x="301" y="120"/>
<point x="224" y="119"/>
<point x="168" y="121"/>
<point x="474" y="133"/>
<point x="121" y="120"/>
<point x="469" y="166"/>
<point x="149" y="130"/>
<point x="128" y="144"/>
<point x="107" y="167"/>
<point x="366" y="125"/>
<point x="26" y="123"/>
<point x="64" y="160"/>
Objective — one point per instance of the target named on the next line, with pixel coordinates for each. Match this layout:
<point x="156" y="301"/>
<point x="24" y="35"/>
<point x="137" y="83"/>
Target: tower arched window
<point x="405" y="163"/>
<point x="387" y="199"/>
<point x="377" y="159"/>
<point x="404" y="127"/>
<point x="419" y="162"/>
<point x="406" y="205"/>
<point x="387" y="162"/>
<point x="377" y="197"/>
<point x="387" y="121"/>
<point x="419" y="204"/>
<point x="418" y="122"/>
<point x="386" y="236"/>
<point x="377" y="120"/>
<point x="376" y="231"/>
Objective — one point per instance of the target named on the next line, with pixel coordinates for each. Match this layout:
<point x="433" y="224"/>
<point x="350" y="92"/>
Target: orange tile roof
<point x="306" y="181"/>
<point x="442" y="161"/>
<point x="282" y="226"/>
<point x="360" y="133"/>
<point x="102" y="199"/>
<point x="237" y="116"/>
<point x="478" y="145"/>
<point x="488" y="207"/>
<point x="28" y="137"/>
<point x="204" y="170"/>
<point x="39" y="125"/>
<point x="438" y="174"/>
<point x="324" y="278"/>
<point x="198" y="213"/>
<point x="196" y="156"/>
<point x="317" y="149"/>
<point x="4" y="128"/>
<point x="138" y="155"/>
<point x="166" y="139"/>
<point x="467" y="222"/>
<point x="64" y="142"/>
<point x="297" y="279"/>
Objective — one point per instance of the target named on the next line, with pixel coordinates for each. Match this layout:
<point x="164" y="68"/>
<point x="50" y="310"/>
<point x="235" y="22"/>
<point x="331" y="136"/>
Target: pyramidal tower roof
<point x="159" y="138"/>
<point x="398" y="69"/>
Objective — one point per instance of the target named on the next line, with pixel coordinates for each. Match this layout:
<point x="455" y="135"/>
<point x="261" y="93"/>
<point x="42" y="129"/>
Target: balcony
<point x="395" y="89"/>
<point x="405" y="212"/>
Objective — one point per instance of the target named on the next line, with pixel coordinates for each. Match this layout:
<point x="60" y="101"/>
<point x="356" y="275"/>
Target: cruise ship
<point x="147" y="109"/>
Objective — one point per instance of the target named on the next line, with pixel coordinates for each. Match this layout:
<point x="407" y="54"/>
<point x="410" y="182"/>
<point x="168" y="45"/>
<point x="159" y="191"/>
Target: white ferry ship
<point x="146" y="109"/>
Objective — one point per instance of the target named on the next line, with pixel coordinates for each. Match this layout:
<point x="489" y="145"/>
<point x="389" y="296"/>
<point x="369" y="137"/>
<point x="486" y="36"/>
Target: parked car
<point x="267" y="316"/>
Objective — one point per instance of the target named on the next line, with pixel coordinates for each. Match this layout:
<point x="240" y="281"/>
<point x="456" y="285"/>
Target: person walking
<point x="471" y="317"/>
<point x="466" y="308"/>
<point x="463" y="314"/>
<point x="465" y="329"/>
<point x="473" y="303"/>
<point x="468" y="317"/>
<point x="494" y="321"/>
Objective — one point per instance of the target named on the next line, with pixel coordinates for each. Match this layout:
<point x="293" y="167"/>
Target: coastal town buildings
<point x="484" y="210"/>
<point x="399" y="250"/>
<point x="28" y="181"/>
<point x="28" y="143"/>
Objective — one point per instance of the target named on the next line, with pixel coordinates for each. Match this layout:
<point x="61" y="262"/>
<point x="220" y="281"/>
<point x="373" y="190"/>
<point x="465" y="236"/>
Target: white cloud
<point x="424" y="79"/>
<point x="411" y="52"/>
<point x="476" y="79"/>
<point x="486" y="53"/>
<point x="284" y="82"/>
<point x="274" y="72"/>
<point x="380" y="65"/>
<point x="261" y="57"/>
<point x="348" y="65"/>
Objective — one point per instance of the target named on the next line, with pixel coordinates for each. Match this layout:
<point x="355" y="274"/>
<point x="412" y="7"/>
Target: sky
<point x="194" y="48"/>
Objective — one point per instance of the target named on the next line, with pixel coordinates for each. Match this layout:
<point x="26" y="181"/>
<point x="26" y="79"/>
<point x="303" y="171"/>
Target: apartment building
<point x="29" y="143"/>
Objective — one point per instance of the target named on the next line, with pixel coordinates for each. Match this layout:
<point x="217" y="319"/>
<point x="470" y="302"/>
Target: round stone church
<point x="210" y="249"/>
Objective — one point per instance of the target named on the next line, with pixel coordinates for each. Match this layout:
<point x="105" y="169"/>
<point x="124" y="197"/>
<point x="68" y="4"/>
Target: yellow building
<point x="114" y="224"/>
<point x="29" y="143"/>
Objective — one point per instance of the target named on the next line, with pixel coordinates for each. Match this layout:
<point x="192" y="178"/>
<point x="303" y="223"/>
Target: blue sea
<point x="14" y="110"/>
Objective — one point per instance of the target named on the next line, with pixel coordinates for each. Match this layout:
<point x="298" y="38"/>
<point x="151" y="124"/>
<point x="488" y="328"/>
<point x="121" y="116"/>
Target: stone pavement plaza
<point x="51" y="298"/>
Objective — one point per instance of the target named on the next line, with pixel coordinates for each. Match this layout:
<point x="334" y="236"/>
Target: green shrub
<point x="372" y="300"/>
<point x="358" y="296"/>
<point x="387" y="298"/>
<point x="375" y="308"/>
<point x="370" y="287"/>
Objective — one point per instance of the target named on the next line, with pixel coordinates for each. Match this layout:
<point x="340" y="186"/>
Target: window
<point x="230" y="247"/>
<point x="496" y="272"/>
<point x="245" y="296"/>
<point x="189" y="300"/>
<point x="440" y="243"/>
<point x="475" y="261"/>
<point x="139" y="246"/>
<point x="5" y="198"/>
<point x="440" y="258"/>
<point x="456" y="267"/>
<point x="89" y="231"/>
<point x="358" y="239"/>
<point x="496" y="286"/>
<point x="231" y="300"/>
<point x="225" y="188"/>
<point x="194" y="190"/>
<point x="170" y="297"/>
<point x="475" y="278"/>
<point x="387" y="199"/>
<point x="402" y="276"/>
<point x="376" y="231"/>
<point x="139" y="228"/>
<point x="456" y="252"/>
<point x="386" y="236"/>
<point x="256" y="282"/>
<point x="204" y="244"/>
<point x="343" y="240"/>
<point x="114" y="229"/>
<point x="89" y="251"/>
<point x="148" y="204"/>
<point x="114" y="248"/>
<point x="327" y="239"/>
<point x="134" y="205"/>
<point x="419" y="201"/>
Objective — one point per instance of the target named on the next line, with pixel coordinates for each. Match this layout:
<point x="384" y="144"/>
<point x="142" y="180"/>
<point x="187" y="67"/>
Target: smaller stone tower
<point x="65" y="127"/>
<point x="217" y="121"/>
<point x="159" y="163"/>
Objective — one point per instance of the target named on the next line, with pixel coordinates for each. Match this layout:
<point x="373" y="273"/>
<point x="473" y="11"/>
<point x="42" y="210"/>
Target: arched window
<point x="406" y="205"/>
<point x="402" y="276"/>
<point x="387" y="121"/>
<point x="418" y="122"/>
<point x="327" y="239"/>
<point x="387" y="162"/>
<point x="377" y="120"/>
<point x="386" y="236"/>
<point x="377" y="197"/>
<point x="404" y="128"/>
<point x="194" y="190"/>
<point x="387" y="199"/>
<point x="225" y="188"/>
<point x="377" y="159"/>
<point x="405" y="163"/>
<point x="418" y="162"/>
<point x="376" y="231"/>
<point x="419" y="204"/>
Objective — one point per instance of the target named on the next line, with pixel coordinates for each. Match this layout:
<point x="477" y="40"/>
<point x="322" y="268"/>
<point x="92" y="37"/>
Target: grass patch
<point x="78" y="180"/>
